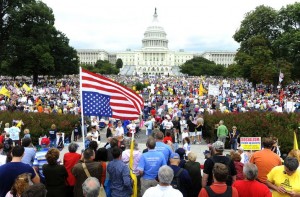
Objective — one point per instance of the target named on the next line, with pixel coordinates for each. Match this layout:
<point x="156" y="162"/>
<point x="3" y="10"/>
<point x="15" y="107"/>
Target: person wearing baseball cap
<point x="218" y="157"/>
<point x="40" y="158"/>
<point x="183" y="175"/>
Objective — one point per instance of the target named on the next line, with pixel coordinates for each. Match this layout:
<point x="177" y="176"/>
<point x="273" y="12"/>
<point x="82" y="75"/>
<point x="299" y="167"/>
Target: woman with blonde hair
<point x="6" y="127"/>
<point x="22" y="182"/>
<point x="193" y="168"/>
<point x="52" y="135"/>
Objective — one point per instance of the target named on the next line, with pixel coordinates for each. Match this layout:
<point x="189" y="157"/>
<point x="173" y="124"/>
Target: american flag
<point x="104" y="97"/>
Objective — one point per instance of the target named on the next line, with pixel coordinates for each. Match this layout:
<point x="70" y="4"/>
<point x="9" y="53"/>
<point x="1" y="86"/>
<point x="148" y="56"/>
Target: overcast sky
<point x="192" y="25"/>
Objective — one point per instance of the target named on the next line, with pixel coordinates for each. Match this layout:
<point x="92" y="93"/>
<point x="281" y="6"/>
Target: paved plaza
<point x="196" y="148"/>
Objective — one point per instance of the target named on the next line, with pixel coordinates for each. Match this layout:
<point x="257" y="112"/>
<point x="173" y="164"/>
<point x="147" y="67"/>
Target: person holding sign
<point x="233" y="138"/>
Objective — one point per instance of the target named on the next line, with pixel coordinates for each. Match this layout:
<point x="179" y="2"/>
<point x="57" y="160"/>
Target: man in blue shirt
<point x="149" y="164"/>
<point x="162" y="147"/>
<point x="29" y="153"/>
<point x="184" y="177"/>
<point x="10" y="171"/>
<point x="121" y="185"/>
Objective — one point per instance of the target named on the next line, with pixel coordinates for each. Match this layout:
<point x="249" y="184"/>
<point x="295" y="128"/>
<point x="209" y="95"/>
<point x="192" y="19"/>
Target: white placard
<point x="213" y="90"/>
<point x="226" y="85"/>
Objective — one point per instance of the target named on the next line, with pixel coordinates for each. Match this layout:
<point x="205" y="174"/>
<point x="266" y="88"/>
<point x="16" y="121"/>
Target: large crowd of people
<point x="226" y="95"/>
<point x="173" y="121"/>
<point x="163" y="168"/>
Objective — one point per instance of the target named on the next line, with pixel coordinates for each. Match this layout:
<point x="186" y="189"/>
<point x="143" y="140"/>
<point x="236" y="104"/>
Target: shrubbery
<point x="250" y="124"/>
<point x="40" y="123"/>
<point x="258" y="124"/>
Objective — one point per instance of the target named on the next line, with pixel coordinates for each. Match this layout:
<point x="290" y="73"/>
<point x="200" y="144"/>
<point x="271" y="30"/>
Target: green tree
<point x="140" y="86"/>
<point x="102" y="67"/>
<point x="287" y="46"/>
<point x="119" y="63"/>
<point x="32" y="44"/>
<point x="65" y="57"/>
<point x="201" y="66"/>
<point x="29" y="42"/>
<point x="6" y="8"/>
<point x="269" y="42"/>
<point x="233" y="71"/>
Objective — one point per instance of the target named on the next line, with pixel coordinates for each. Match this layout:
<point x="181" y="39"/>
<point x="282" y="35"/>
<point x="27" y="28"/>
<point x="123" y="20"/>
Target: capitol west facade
<point x="154" y="58"/>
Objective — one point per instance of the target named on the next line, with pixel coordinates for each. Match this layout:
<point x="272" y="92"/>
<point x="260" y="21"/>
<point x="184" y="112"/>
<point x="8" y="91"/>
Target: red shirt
<point x="1" y="139"/>
<point x="153" y="112"/>
<point x="167" y="138"/>
<point x="70" y="159"/>
<point x="239" y="169"/>
<point x="251" y="189"/>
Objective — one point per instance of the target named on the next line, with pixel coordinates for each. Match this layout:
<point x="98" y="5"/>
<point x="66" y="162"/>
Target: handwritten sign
<point x="213" y="90"/>
<point x="251" y="143"/>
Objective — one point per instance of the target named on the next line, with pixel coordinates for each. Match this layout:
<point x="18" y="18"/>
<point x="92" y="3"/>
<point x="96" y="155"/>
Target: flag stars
<point x="96" y="104"/>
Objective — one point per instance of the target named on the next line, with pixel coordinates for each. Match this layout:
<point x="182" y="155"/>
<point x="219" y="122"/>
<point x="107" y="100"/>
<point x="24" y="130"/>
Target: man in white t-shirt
<point x="119" y="130"/>
<point x="14" y="133"/>
<point x="168" y="125"/>
<point x="131" y="128"/>
<point x="163" y="188"/>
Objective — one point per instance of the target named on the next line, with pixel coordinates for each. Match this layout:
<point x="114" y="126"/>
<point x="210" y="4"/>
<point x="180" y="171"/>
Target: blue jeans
<point x="175" y="146"/>
<point x="149" y="132"/>
<point x="53" y="143"/>
<point x="234" y="144"/>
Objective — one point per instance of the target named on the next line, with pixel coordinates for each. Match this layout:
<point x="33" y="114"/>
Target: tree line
<point x="269" y="43"/>
<point x="30" y="44"/>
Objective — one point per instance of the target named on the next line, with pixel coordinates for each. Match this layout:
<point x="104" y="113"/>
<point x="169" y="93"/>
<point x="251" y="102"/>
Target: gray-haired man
<point x="165" y="177"/>
<point x="91" y="187"/>
<point x="250" y="187"/>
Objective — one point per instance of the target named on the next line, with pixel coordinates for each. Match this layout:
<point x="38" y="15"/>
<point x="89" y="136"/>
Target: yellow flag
<point x="5" y="92"/>
<point x="20" y="123"/>
<point x="15" y="85"/>
<point x="132" y="175"/>
<point x="295" y="142"/>
<point x="26" y="87"/>
<point x="202" y="90"/>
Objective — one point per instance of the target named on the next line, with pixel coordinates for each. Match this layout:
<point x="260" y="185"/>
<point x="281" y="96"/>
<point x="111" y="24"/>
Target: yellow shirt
<point x="290" y="183"/>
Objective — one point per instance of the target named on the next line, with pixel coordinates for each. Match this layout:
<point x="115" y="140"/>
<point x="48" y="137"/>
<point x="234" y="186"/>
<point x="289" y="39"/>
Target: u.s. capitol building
<point x="154" y="57"/>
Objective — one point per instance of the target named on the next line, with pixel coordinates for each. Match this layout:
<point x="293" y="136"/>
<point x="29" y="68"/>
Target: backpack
<point x="227" y="163"/>
<point x="176" y="180"/>
<point x="6" y="145"/>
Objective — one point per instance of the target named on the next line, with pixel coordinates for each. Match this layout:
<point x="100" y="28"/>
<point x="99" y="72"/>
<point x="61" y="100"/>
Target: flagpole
<point x="81" y="106"/>
<point x="132" y="175"/>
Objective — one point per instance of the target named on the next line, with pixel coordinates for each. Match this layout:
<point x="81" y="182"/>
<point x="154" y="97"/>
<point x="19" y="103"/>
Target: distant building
<point x="90" y="56"/>
<point x="220" y="57"/>
<point x="154" y="57"/>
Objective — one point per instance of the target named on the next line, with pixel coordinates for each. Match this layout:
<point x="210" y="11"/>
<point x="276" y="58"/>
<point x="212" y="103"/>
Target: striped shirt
<point x="40" y="160"/>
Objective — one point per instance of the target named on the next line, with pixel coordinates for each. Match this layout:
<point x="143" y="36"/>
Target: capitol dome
<point x="155" y="36"/>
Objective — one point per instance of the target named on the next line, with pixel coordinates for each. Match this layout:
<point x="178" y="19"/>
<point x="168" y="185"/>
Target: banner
<point x="251" y="143"/>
